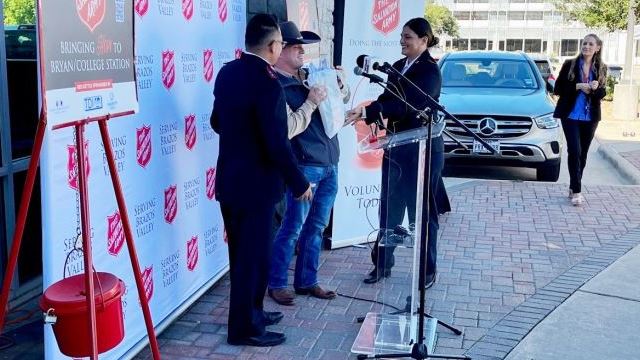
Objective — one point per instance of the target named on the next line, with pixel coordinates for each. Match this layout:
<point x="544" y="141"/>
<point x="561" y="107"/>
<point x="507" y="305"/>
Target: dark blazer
<point x="566" y="90"/>
<point x="425" y="73"/>
<point x="249" y="114"/>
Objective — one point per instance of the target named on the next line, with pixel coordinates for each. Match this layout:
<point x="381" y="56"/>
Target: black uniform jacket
<point x="249" y="114"/>
<point x="566" y="89"/>
<point x="425" y="73"/>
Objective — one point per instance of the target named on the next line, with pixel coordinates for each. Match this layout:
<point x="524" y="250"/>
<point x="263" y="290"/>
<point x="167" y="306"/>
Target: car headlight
<point x="547" y="121"/>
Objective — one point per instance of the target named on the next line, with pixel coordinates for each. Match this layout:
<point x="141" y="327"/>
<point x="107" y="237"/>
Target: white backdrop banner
<point x="371" y="27"/>
<point x="166" y="157"/>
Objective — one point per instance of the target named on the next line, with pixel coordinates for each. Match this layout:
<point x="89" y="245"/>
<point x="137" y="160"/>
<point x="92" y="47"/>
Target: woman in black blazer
<point x="400" y="164"/>
<point x="581" y="87"/>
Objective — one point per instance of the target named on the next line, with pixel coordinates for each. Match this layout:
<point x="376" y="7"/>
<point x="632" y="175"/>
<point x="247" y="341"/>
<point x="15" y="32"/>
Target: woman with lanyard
<point x="581" y="87"/>
<point x="400" y="164"/>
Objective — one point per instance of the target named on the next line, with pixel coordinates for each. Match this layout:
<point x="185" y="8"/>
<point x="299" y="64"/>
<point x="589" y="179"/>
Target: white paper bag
<point x="332" y="108"/>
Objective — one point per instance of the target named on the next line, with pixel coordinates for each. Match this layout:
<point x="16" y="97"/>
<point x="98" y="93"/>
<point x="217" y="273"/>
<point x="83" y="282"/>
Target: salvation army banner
<point x="304" y="13"/>
<point x="87" y="58"/>
<point x="371" y="27"/>
<point x="166" y="156"/>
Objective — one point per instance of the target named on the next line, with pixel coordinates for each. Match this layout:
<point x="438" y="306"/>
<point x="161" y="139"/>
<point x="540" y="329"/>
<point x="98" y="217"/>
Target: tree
<point x="601" y="14"/>
<point x="19" y="11"/>
<point x="441" y="20"/>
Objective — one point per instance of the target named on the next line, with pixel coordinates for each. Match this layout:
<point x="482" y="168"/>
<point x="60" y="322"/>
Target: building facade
<point x="532" y="26"/>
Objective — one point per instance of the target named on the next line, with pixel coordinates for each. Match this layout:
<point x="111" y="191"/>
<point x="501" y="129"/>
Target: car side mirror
<point x="550" y="85"/>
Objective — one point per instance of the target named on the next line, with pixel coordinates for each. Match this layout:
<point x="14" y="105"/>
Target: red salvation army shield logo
<point x="168" y="69"/>
<point x="115" y="234"/>
<point x="222" y="10"/>
<point x="211" y="183"/>
<point x="91" y="12"/>
<point x="170" y="203"/>
<point x="147" y="281"/>
<point x="143" y="145"/>
<point x="72" y="165"/>
<point x="386" y="15"/>
<point x="208" y="64"/>
<point x="141" y="7"/>
<point x="187" y="9"/>
<point x="190" y="133"/>
<point x="192" y="253"/>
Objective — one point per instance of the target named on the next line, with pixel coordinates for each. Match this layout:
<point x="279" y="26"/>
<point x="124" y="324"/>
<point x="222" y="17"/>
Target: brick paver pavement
<point x="509" y="253"/>
<point x="632" y="157"/>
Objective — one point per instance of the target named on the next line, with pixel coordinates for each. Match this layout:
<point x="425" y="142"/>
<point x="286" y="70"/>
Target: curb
<point x="626" y="169"/>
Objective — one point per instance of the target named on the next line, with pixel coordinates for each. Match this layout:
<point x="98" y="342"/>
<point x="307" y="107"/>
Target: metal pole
<point x="135" y="265"/>
<point x="83" y="190"/>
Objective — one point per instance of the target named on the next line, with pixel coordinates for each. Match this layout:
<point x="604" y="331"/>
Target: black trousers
<point x="398" y="194"/>
<point x="578" y="135"/>
<point x="250" y="236"/>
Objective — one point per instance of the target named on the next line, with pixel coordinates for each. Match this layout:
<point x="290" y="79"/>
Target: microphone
<point x="372" y="77"/>
<point x="365" y="62"/>
<point x="384" y="67"/>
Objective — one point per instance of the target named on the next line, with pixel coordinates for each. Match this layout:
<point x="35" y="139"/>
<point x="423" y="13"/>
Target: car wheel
<point x="548" y="173"/>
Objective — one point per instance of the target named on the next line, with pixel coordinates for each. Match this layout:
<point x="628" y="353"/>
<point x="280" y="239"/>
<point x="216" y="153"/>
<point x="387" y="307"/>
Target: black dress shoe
<point x="272" y="317"/>
<point x="376" y="275"/>
<point x="269" y="338"/>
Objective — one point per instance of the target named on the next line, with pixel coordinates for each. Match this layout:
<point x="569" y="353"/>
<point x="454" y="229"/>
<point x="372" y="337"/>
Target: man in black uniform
<point x="254" y="163"/>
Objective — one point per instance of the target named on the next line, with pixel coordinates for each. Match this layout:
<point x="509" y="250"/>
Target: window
<point x="498" y="15"/>
<point x="478" y="44"/>
<point x="517" y="1"/>
<point x="637" y="52"/>
<point x="516" y="15"/>
<point x="460" y="44"/>
<point x="568" y="47"/>
<point x="544" y="46"/>
<point x="462" y="15"/>
<point x="534" y="15"/>
<point x="462" y="1"/>
<point x="514" y="44"/>
<point x="479" y="15"/>
<point x="533" y="45"/>
<point x="501" y="45"/>
<point x="490" y="47"/>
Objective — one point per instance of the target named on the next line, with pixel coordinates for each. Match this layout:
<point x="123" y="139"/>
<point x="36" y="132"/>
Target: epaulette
<point x="271" y="72"/>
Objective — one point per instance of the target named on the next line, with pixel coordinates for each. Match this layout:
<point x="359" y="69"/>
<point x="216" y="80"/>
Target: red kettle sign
<point x="91" y="12"/>
<point x="386" y="15"/>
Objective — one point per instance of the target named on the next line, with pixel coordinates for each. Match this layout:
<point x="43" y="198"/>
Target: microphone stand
<point x="419" y="349"/>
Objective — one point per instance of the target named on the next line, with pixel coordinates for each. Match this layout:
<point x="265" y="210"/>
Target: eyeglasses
<point x="282" y="42"/>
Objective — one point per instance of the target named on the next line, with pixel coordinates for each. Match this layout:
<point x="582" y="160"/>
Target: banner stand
<point x="84" y="213"/>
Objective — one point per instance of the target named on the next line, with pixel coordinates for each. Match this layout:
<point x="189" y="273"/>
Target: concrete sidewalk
<point x="620" y="145"/>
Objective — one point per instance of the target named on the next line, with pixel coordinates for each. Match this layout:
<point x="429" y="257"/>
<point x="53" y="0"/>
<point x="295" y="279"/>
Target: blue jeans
<point x="304" y="221"/>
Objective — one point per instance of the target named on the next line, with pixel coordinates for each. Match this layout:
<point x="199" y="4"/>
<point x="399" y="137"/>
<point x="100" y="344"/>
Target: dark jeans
<point x="398" y="194"/>
<point x="578" y="135"/>
<point x="304" y="222"/>
<point x="249" y="231"/>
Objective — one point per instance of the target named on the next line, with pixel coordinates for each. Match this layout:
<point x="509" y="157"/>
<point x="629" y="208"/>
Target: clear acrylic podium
<point x="383" y="331"/>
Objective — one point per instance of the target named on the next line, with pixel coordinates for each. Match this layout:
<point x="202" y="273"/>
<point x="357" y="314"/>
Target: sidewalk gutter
<point x="626" y="169"/>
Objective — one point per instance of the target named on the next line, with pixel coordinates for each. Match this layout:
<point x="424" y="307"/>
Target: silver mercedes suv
<point x="503" y="98"/>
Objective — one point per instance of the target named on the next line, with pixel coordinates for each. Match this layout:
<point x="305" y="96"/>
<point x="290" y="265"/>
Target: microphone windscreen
<point x="360" y="60"/>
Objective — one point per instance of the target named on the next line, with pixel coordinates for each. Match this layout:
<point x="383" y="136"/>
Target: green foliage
<point x="19" y="12"/>
<point x="602" y="14"/>
<point x="441" y="20"/>
<point x="610" y="86"/>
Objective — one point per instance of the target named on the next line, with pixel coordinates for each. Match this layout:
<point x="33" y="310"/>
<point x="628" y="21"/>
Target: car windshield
<point x="491" y="73"/>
